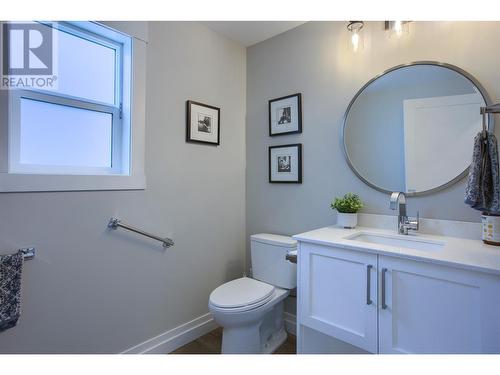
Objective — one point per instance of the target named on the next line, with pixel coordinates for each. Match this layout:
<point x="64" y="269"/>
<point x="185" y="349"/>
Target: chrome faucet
<point x="398" y="200"/>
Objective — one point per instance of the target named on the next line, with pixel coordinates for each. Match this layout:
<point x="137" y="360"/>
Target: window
<point x="78" y="138"/>
<point x="88" y="132"/>
<point x="83" y="126"/>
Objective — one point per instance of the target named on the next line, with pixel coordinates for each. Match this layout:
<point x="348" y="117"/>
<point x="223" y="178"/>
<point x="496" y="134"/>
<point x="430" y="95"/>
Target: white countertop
<point x="457" y="252"/>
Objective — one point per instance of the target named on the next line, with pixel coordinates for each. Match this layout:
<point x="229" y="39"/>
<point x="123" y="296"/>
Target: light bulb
<point x="398" y="28"/>
<point x="355" y="41"/>
<point x="356" y="38"/>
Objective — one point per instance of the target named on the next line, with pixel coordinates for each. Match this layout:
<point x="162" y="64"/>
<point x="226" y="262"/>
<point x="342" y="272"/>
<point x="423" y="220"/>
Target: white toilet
<point x="250" y="310"/>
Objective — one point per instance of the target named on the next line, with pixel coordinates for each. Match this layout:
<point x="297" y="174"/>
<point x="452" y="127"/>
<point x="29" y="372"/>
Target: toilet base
<point x="248" y="340"/>
<point x="261" y="330"/>
<point x="275" y="342"/>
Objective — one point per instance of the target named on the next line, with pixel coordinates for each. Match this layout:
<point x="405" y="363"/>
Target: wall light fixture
<point x="357" y="41"/>
<point x="397" y="28"/>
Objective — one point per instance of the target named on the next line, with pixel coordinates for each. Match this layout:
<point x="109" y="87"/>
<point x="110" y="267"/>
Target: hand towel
<point x="483" y="185"/>
<point x="11" y="267"/>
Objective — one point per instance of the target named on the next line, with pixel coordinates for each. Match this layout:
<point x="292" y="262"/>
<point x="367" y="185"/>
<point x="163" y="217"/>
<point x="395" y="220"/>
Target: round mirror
<point x="412" y="128"/>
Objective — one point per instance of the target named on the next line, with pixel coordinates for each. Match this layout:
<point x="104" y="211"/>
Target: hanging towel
<point x="11" y="267"/>
<point x="483" y="185"/>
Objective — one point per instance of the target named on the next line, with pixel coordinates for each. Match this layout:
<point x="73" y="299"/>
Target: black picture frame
<point x="189" y="136"/>
<point x="299" y="164"/>
<point x="299" y="114"/>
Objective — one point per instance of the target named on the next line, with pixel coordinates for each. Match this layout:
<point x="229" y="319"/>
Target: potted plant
<point x="347" y="210"/>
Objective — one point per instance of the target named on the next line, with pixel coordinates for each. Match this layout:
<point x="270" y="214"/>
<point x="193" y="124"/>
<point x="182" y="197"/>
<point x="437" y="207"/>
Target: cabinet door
<point x="427" y="308"/>
<point x="338" y="294"/>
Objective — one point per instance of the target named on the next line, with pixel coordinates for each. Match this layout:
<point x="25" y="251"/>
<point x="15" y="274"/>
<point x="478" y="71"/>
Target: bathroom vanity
<point x="372" y="290"/>
<point x="397" y="284"/>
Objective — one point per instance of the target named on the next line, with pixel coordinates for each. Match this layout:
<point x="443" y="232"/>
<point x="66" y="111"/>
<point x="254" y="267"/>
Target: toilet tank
<point x="269" y="264"/>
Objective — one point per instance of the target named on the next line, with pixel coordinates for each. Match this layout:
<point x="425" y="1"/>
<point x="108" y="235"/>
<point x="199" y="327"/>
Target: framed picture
<point x="202" y="123"/>
<point x="285" y="115"/>
<point x="285" y="163"/>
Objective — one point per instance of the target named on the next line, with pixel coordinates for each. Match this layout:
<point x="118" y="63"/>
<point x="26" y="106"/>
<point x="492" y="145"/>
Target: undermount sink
<point x="397" y="241"/>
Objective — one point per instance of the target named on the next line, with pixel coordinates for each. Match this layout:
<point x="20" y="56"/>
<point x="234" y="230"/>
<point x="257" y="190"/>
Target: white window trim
<point x="134" y="135"/>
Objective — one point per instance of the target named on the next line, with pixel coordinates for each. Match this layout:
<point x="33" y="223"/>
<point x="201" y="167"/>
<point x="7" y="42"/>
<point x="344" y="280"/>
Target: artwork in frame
<point x="202" y="123"/>
<point x="285" y="115"/>
<point x="285" y="163"/>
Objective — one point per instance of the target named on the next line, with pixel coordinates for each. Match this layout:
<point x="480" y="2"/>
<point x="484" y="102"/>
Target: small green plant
<point x="350" y="204"/>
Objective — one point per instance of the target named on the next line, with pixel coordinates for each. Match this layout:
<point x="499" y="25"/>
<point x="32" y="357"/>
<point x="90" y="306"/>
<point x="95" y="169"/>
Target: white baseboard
<point x="290" y="323"/>
<point x="168" y="341"/>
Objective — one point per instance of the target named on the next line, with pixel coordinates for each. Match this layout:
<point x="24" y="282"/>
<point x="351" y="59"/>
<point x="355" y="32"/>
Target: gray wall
<point x="92" y="291"/>
<point x="315" y="59"/>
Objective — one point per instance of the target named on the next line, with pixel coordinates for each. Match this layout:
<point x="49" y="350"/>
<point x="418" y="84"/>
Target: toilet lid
<point x="241" y="292"/>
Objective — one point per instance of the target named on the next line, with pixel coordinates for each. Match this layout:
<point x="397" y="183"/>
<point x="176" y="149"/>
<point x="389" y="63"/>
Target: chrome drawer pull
<point x="384" y="306"/>
<point x="368" y="286"/>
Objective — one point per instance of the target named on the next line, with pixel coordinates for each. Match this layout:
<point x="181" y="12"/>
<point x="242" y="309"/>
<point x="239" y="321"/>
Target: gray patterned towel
<point x="11" y="268"/>
<point x="483" y="186"/>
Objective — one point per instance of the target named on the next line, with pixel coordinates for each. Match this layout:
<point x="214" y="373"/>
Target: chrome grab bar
<point x="114" y="223"/>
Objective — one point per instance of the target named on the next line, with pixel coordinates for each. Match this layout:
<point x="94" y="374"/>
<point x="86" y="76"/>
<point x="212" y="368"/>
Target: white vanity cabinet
<point x="338" y="294"/>
<point x="389" y="304"/>
<point x="431" y="308"/>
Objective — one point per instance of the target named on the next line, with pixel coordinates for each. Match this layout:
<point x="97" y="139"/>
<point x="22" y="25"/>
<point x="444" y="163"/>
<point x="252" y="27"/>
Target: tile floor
<point x="212" y="341"/>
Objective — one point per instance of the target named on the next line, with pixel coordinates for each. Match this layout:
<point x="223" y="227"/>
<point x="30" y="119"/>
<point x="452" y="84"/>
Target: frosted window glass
<point x="58" y="135"/>
<point x="85" y="69"/>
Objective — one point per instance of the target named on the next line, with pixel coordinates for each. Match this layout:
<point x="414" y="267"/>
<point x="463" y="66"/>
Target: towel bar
<point x="28" y="253"/>
<point x="114" y="223"/>
<point x="494" y="108"/>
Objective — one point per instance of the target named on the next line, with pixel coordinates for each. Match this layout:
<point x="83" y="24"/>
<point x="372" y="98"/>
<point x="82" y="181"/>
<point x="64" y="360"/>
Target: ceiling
<point x="248" y="33"/>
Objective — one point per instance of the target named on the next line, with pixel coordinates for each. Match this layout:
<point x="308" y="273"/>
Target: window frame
<point x="51" y="97"/>
<point x="117" y="45"/>
<point x="132" y="111"/>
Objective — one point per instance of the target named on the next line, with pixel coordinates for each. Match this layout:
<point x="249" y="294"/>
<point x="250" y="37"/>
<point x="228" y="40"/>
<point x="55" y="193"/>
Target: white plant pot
<point x="347" y="220"/>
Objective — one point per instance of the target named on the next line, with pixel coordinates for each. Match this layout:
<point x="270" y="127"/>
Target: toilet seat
<point x="241" y="294"/>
